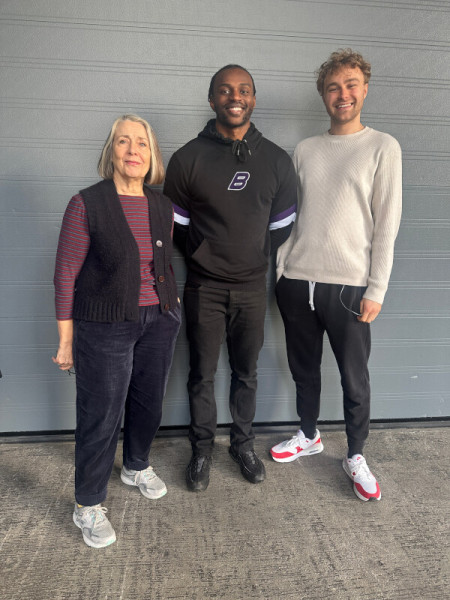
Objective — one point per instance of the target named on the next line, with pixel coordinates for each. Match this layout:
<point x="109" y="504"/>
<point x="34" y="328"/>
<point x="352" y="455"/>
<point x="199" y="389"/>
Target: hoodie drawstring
<point x="312" y="285"/>
<point x="240" y="148"/>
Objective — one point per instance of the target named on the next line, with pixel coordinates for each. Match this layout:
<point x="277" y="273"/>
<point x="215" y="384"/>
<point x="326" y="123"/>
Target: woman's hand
<point x="64" y="354"/>
<point x="64" y="358"/>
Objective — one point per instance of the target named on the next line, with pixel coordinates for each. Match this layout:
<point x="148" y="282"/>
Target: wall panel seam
<point x="214" y="32"/>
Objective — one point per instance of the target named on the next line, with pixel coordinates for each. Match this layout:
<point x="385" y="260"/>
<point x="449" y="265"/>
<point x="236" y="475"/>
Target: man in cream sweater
<point x="334" y="270"/>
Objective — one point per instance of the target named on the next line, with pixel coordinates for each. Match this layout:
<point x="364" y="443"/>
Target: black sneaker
<point x="197" y="473"/>
<point x="251" y="466"/>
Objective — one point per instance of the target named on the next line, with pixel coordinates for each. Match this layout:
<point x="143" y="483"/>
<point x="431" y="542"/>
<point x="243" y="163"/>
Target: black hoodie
<point x="227" y="195"/>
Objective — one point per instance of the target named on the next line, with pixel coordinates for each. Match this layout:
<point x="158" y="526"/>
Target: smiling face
<point x="130" y="152"/>
<point x="233" y="101"/>
<point x="344" y="92"/>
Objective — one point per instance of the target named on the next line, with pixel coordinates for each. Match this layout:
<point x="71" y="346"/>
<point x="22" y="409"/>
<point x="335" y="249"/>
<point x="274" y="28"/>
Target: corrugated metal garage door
<point x="69" y="68"/>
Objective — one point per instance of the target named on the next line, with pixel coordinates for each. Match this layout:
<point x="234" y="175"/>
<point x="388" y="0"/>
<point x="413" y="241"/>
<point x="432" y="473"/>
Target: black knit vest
<point x="107" y="288"/>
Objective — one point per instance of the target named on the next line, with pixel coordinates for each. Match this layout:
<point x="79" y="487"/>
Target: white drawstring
<point x="312" y="285"/>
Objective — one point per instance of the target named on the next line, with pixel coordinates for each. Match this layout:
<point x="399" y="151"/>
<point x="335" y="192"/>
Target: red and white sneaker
<point x="298" y="445"/>
<point x="365" y="485"/>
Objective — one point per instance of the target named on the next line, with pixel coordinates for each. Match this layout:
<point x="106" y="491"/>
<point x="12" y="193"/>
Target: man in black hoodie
<point x="234" y="196"/>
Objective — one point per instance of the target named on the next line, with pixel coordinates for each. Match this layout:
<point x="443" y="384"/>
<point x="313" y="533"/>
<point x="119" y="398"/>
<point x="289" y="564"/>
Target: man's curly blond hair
<point x="344" y="57"/>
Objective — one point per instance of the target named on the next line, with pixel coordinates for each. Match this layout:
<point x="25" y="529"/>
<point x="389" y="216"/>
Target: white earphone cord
<point x="346" y="307"/>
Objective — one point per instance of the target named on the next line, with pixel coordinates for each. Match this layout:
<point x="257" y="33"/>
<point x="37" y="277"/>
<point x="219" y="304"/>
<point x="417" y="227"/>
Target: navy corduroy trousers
<point x="121" y="369"/>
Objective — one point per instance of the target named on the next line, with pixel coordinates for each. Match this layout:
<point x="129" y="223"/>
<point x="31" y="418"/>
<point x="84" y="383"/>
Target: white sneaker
<point x="147" y="481"/>
<point x="298" y="445"/>
<point x="365" y="485"/>
<point x="96" y="529"/>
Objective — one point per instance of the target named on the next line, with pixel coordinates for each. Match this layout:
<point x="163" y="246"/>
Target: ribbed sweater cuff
<point x="374" y="293"/>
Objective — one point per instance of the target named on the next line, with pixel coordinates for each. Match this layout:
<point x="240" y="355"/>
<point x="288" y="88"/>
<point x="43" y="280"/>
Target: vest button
<point x="159" y="243"/>
<point x="161" y="278"/>
<point x="166" y="307"/>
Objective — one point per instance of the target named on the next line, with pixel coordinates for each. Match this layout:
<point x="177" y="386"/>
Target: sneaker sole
<point x="363" y="498"/>
<point x="146" y="494"/>
<point x="355" y="489"/>
<point x="308" y="452"/>
<point x="88" y="541"/>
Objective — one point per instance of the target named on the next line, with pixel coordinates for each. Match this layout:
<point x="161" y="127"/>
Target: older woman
<point x="118" y="318"/>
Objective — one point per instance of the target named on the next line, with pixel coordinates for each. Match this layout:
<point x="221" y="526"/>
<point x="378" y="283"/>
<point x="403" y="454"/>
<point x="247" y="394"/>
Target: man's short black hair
<point x="228" y="68"/>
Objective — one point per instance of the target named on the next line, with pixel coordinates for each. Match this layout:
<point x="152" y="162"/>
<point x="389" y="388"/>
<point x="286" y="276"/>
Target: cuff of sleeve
<point x="375" y="293"/>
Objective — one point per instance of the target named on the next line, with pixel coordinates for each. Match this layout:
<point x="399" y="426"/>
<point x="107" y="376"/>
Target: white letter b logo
<point x="239" y="181"/>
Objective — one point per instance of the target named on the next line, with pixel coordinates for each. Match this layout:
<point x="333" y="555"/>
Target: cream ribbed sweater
<point x="349" y="195"/>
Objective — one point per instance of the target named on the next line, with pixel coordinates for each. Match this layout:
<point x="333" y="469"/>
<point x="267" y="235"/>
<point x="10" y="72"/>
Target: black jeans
<point x="120" y="367"/>
<point x="350" y="342"/>
<point x="211" y="314"/>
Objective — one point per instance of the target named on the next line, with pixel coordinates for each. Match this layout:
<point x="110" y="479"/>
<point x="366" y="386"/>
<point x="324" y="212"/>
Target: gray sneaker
<point x="96" y="529"/>
<point x="147" y="481"/>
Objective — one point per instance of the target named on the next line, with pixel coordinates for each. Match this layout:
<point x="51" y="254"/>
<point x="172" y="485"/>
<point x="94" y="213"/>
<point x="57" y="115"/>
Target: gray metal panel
<point x="68" y="70"/>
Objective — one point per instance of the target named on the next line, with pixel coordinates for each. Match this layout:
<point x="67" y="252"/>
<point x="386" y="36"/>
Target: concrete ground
<point x="301" y="534"/>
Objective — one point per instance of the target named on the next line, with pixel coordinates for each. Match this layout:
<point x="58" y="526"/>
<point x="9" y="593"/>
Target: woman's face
<point x="131" y="151"/>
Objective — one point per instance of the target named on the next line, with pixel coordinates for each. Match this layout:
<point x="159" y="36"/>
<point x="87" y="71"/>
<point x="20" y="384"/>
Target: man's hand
<point x="369" y="310"/>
